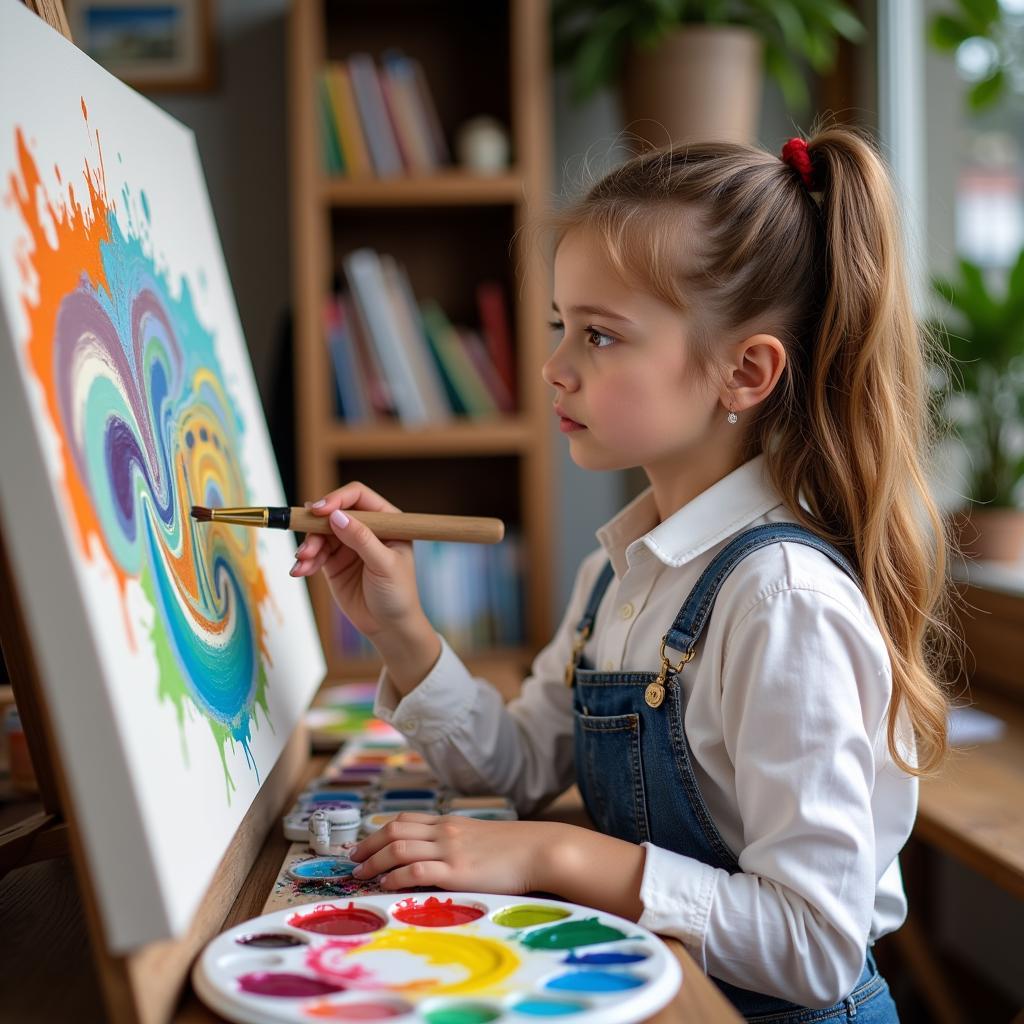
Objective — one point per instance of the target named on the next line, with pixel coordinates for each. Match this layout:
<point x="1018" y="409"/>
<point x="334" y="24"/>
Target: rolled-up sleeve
<point x="476" y="743"/>
<point x="805" y="684"/>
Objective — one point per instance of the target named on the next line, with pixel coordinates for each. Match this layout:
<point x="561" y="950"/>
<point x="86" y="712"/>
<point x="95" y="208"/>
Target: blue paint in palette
<point x="606" y="959"/>
<point x="537" y="1007"/>
<point x="594" y="981"/>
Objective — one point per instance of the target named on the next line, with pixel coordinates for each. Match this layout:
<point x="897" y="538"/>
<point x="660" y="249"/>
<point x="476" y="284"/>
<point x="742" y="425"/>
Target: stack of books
<point x="394" y="357"/>
<point x="472" y="593"/>
<point x="379" y="121"/>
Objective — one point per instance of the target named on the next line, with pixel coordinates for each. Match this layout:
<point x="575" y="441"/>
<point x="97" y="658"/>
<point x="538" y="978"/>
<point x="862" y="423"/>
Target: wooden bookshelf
<point x="450" y="230"/>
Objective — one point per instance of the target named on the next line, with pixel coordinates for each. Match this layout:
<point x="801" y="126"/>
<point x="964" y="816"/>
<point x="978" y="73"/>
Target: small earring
<point x="732" y="417"/>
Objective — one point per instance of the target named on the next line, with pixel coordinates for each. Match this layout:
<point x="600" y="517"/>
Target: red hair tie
<point x="795" y="154"/>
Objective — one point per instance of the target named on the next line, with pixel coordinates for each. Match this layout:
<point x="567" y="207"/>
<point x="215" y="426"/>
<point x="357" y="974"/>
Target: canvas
<point x="176" y="657"/>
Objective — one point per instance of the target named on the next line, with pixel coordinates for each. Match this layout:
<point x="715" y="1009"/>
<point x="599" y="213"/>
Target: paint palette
<point x="447" y="958"/>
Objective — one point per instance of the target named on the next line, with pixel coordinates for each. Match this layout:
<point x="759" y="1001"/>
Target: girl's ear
<point x="758" y="364"/>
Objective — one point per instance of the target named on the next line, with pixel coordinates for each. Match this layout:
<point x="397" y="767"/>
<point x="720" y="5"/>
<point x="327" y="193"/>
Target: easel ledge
<point x="143" y="987"/>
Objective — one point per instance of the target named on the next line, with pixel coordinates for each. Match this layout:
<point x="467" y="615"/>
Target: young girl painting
<point x="745" y="682"/>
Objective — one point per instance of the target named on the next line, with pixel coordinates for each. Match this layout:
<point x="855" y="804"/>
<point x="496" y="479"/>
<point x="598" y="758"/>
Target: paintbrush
<point x="386" y="525"/>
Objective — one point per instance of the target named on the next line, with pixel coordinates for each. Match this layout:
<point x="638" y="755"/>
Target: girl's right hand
<point x="372" y="581"/>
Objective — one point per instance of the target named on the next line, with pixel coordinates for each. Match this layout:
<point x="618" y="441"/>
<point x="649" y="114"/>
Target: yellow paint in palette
<point x="486" y="962"/>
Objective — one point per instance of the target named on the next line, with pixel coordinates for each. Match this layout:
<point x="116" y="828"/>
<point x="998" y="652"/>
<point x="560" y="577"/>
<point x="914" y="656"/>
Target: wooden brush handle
<point x="409" y="525"/>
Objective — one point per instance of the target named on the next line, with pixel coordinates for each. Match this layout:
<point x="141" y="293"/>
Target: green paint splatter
<point x="572" y="934"/>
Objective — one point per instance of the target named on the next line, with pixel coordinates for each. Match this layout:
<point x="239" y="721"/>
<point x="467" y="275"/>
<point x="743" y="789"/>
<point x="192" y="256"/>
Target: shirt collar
<point x="725" y="507"/>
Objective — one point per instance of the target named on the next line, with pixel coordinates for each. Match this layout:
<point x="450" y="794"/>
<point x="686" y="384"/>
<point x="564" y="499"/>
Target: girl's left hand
<point x="457" y="853"/>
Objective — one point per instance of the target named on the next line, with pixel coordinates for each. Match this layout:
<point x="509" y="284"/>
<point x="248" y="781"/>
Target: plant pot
<point x="701" y="82"/>
<point x="990" y="534"/>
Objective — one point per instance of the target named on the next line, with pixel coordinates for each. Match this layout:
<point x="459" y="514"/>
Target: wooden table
<point x="48" y="977"/>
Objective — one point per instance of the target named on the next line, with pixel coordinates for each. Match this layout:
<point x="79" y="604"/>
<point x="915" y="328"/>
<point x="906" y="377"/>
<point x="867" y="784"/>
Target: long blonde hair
<point x="728" y="234"/>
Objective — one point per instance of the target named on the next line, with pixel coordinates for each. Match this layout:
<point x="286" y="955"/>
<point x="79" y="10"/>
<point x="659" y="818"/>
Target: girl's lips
<point x="566" y="425"/>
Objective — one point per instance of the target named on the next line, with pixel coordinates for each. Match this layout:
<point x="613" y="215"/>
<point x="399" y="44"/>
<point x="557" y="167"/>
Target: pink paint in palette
<point x="447" y="958"/>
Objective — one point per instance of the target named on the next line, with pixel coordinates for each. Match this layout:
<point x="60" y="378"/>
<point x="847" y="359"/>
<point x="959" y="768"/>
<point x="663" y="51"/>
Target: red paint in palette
<point x="433" y="913"/>
<point x="286" y="986"/>
<point x="329" y="919"/>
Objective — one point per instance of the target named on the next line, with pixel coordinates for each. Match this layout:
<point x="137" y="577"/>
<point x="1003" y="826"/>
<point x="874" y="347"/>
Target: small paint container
<point x="321" y="870"/>
<point x="296" y="821"/>
<point x="322" y="796"/>
<point x="488" y="813"/>
<point x="409" y="794"/>
<point x="363" y="768"/>
<point x="330" y="831"/>
<point x="428" y="806"/>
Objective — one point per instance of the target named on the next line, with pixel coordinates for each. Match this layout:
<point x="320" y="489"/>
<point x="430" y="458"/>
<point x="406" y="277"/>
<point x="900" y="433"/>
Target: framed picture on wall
<point x="152" y="45"/>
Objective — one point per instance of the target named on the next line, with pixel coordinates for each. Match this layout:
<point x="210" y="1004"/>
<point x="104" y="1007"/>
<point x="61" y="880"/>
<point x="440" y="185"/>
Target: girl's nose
<point x="557" y="372"/>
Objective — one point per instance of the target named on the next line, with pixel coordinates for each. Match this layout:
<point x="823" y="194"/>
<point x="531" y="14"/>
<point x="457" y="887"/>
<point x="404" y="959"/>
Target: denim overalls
<point x="635" y="771"/>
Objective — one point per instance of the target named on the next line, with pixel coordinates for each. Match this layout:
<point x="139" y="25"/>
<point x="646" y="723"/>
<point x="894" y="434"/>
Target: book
<point x="490" y="300"/>
<point x="481" y="360"/>
<point x="428" y="377"/>
<point x="346" y="115"/>
<point x="333" y="160"/>
<point x="366" y="281"/>
<point x="370" y="371"/>
<point x="387" y="161"/>
<point x="350" y="387"/>
<point x="401" y="89"/>
<point x="455" y="362"/>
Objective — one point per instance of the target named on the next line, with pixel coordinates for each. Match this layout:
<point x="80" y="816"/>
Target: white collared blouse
<point x="786" y="702"/>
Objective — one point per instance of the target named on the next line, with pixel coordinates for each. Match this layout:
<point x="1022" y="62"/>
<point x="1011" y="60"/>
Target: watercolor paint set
<point x="451" y="958"/>
<point x="378" y="777"/>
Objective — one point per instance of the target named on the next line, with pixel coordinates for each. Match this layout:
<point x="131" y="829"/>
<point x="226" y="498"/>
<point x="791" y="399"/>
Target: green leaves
<point x="976" y="19"/>
<point x="985" y="338"/>
<point x="592" y="35"/>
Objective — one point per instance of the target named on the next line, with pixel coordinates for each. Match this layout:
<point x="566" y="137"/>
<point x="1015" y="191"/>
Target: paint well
<point x="524" y="915"/>
<point x="587" y="932"/>
<point x="328" y="919"/>
<point x="365" y="1010"/>
<point x="537" y="1007"/>
<point x="608" y="959"/>
<point x="435" y="913"/>
<point x="322" y="869"/>
<point x="462" y="1013"/>
<point x="286" y="986"/>
<point x="595" y="981"/>
<point x="270" y="940"/>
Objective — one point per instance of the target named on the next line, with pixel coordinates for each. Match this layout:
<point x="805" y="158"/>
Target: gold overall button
<point x="654" y="695"/>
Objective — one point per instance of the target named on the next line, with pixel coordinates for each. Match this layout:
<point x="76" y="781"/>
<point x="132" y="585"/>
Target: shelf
<point x="461" y="437"/>
<point x="445" y="188"/>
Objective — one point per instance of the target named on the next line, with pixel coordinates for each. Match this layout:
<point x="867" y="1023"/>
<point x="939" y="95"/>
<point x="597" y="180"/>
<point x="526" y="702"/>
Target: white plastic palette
<point x="437" y="958"/>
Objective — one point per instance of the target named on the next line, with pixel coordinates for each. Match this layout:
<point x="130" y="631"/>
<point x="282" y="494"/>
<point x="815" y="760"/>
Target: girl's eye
<point x="598" y="339"/>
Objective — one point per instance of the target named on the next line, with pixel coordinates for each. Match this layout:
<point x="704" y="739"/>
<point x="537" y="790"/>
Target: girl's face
<point x="621" y="370"/>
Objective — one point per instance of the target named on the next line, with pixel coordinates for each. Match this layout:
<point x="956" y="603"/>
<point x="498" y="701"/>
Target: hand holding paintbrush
<point x="363" y="544"/>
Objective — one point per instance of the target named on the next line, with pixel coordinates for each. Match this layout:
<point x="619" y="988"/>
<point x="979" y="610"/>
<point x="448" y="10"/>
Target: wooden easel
<point x="142" y="987"/>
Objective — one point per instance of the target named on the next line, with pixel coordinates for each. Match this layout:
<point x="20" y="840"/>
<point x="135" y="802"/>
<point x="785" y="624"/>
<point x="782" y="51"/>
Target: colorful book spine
<point x="455" y="362"/>
<point x="475" y="348"/>
<point x="490" y="300"/>
<point x="333" y="160"/>
<point x="387" y="159"/>
<point x="366" y="280"/>
<point x="350" y="387"/>
<point x="404" y="97"/>
<point x="350" y="128"/>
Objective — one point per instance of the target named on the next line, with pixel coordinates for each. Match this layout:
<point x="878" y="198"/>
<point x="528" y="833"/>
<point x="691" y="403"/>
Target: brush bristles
<point x="203" y="514"/>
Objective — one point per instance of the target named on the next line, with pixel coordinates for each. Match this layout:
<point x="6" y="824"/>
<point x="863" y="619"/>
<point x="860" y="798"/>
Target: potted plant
<point x="984" y="405"/>
<point x="694" y="68"/>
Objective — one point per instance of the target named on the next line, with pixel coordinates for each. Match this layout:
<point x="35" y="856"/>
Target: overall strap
<point x="586" y="624"/>
<point x="693" y="616"/>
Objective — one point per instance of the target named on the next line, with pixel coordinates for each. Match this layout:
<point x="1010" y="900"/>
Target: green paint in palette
<point x="527" y="914"/>
<point x="463" y="1013"/>
<point x="572" y="934"/>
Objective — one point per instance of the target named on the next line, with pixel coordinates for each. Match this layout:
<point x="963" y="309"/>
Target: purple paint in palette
<point x="286" y="986"/>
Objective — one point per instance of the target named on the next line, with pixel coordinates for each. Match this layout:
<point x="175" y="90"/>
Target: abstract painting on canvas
<point x="176" y="657"/>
